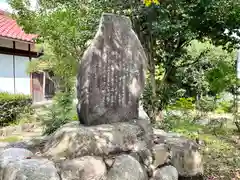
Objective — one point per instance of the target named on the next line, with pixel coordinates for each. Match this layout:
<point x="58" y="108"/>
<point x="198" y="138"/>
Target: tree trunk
<point x="153" y="80"/>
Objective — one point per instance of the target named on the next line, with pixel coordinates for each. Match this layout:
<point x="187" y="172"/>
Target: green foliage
<point x="183" y="104"/>
<point x="63" y="32"/>
<point x="166" y="31"/>
<point x="12" y="105"/>
<point x="59" y="113"/>
<point x="149" y="2"/>
<point x="206" y="104"/>
<point x="212" y="72"/>
<point x="221" y="154"/>
<point x="11" y="139"/>
<point x="224" y="107"/>
<point x="178" y="121"/>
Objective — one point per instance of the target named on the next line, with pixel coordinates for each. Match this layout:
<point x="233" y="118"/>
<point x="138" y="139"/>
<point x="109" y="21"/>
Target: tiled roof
<point x="10" y="29"/>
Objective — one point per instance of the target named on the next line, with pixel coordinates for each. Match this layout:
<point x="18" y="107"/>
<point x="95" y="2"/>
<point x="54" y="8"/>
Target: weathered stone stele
<point x="111" y="74"/>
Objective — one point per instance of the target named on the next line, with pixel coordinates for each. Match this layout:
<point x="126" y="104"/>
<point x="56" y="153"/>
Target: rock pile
<point x="119" y="151"/>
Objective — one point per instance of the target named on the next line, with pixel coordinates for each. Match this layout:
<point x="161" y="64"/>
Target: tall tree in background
<point x="165" y="28"/>
<point x="212" y="72"/>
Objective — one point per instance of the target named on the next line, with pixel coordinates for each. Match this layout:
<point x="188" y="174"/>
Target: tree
<point x="64" y="29"/>
<point x="212" y="72"/>
<point x="165" y="29"/>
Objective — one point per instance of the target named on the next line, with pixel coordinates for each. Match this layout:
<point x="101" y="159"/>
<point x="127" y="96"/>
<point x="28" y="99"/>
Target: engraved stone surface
<point x="111" y="74"/>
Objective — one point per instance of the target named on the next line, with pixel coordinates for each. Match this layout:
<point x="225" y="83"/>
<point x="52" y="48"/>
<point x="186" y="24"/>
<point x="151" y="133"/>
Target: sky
<point x="4" y="5"/>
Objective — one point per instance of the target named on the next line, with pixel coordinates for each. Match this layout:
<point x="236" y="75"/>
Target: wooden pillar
<point x="14" y="73"/>
<point x="31" y="79"/>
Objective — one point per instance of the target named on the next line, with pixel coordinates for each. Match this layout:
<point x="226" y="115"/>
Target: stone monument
<point x="111" y="74"/>
<point x="110" y="81"/>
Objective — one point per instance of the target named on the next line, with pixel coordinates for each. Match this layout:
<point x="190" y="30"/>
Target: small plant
<point x="206" y="104"/>
<point x="224" y="107"/>
<point x="59" y="113"/>
<point x="183" y="104"/>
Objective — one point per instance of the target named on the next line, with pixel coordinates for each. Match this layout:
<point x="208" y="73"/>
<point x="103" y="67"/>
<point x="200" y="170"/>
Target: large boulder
<point x="3" y="145"/>
<point x="30" y="169"/>
<point x="185" y="153"/>
<point x="84" y="168"/>
<point x="162" y="155"/>
<point x="72" y="141"/>
<point x="34" y="145"/>
<point x="165" y="173"/>
<point x="111" y="74"/>
<point x="126" y="167"/>
<point x="12" y="155"/>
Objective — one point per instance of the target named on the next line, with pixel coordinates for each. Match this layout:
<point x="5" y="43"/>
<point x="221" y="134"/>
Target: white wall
<point x="6" y="73"/>
<point x="22" y="79"/>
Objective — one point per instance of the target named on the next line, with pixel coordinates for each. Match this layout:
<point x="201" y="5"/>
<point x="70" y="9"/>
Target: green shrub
<point x="59" y="113"/>
<point x="224" y="107"/>
<point x="205" y="104"/>
<point x="12" y="105"/>
<point x="183" y="104"/>
<point x="175" y="120"/>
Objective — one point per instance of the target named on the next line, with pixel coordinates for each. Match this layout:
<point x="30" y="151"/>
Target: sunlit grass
<point x="11" y="139"/>
<point x="221" y="154"/>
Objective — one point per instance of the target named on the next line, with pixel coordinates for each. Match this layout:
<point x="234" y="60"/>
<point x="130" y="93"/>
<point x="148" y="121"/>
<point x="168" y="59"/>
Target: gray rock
<point x="12" y="155"/>
<point x="159" y="132"/>
<point x="186" y="156"/>
<point x="34" y="145"/>
<point x="3" y="145"/>
<point x="20" y="144"/>
<point x="72" y="140"/>
<point x="162" y="154"/>
<point x="126" y="167"/>
<point x="177" y="113"/>
<point x="142" y="113"/>
<point x="202" y="122"/>
<point x="84" y="168"/>
<point x="165" y="173"/>
<point x="146" y="127"/>
<point x="109" y="162"/>
<point x="111" y="75"/>
<point x="30" y="169"/>
<point x="174" y="134"/>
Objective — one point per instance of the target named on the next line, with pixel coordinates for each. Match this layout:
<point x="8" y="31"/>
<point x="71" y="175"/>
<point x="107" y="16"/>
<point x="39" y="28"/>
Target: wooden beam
<point x="18" y="52"/>
<point x="17" y="40"/>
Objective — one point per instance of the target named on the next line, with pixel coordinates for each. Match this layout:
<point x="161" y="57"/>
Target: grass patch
<point x="11" y="139"/>
<point x="24" y="118"/>
<point x="221" y="152"/>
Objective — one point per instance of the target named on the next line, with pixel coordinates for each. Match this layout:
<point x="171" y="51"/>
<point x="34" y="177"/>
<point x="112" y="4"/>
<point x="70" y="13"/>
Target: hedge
<point x="11" y="105"/>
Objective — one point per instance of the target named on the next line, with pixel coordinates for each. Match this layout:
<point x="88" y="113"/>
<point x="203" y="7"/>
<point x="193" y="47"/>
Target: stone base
<point x="119" y="151"/>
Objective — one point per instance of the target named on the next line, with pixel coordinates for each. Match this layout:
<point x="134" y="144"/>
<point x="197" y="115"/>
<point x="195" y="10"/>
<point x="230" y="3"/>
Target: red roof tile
<point x="10" y="29"/>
